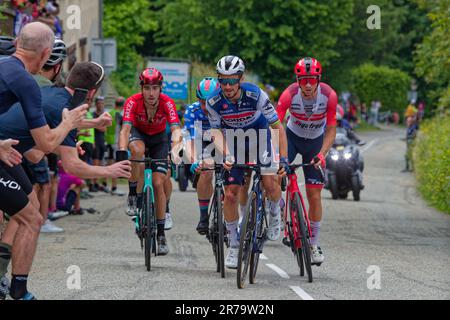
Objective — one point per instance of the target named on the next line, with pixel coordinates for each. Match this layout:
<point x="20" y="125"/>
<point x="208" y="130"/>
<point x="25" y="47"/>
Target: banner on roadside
<point x="176" y="77"/>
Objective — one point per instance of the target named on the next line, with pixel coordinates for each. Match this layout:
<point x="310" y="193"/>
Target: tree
<point x="433" y="55"/>
<point x="381" y="83"/>
<point x="270" y="36"/>
<point x="127" y="22"/>
<point x="403" y="25"/>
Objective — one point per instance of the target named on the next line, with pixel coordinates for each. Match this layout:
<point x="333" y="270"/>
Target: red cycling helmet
<point x="308" y="67"/>
<point x="151" y="76"/>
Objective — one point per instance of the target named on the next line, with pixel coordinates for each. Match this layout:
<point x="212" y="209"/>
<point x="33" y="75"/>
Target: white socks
<point x="315" y="230"/>
<point x="233" y="233"/>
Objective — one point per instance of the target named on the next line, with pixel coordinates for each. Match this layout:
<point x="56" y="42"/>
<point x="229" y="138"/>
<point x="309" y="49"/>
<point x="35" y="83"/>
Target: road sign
<point x="108" y="59"/>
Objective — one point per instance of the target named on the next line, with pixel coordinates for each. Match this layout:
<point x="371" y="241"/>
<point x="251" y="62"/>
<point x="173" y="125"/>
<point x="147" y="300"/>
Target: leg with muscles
<point x="204" y="193"/>
<point x="135" y="183"/>
<point x="168" y="191"/>
<point x="25" y="232"/>
<point x="230" y="210"/>
<point x="160" y="209"/>
<point x="273" y="192"/>
<point x="315" y="214"/>
<point x="243" y="194"/>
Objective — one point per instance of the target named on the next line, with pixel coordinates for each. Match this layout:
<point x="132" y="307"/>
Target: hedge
<point x="431" y="156"/>
<point x="390" y="86"/>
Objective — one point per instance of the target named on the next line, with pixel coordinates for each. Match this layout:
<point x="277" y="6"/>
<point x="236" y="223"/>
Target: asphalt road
<point x="391" y="230"/>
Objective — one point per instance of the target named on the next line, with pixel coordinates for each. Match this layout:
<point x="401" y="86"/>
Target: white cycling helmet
<point x="230" y="65"/>
<point x="59" y="53"/>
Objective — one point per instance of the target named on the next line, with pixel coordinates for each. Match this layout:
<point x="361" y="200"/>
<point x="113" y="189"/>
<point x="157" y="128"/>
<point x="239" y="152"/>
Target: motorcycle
<point x="344" y="166"/>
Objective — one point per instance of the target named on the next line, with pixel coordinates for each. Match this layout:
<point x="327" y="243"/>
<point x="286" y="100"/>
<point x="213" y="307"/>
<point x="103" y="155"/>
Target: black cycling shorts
<point x="15" y="187"/>
<point x="38" y="173"/>
<point x="156" y="147"/>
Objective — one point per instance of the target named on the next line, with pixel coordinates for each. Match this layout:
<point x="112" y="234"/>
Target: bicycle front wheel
<point x="261" y="231"/>
<point x="220" y="233"/>
<point x="303" y="235"/>
<point x="246" y="241"/>
<point x="148" y="213"/>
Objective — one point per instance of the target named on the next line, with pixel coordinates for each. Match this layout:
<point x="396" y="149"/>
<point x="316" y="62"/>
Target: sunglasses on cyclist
<point x="305" y="80"/>
<point x="230" y="81"/>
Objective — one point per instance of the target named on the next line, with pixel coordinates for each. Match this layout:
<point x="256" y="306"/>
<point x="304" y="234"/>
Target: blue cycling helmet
<point x="206" y="87"/>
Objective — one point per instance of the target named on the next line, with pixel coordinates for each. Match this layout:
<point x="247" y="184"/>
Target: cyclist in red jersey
<point x="144" y="129"/>
<point x="311" y="130"/>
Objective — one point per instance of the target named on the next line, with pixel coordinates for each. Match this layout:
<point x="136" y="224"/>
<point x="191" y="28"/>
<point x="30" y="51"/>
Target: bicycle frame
<point x="260" y="213"/>
<point x="291" y="190"/>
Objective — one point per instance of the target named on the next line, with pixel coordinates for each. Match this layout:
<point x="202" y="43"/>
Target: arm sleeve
<point x="128" y="111"/>
<point x="171" y="112"/>
<point x="331" y="109"/>
<point x="284" y="103"/>
<point x="267" y="108"/>
<point x="29" y="94"/>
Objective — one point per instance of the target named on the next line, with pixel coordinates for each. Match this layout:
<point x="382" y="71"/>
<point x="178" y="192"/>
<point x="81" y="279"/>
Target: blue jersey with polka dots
<point x="193" y="118"/>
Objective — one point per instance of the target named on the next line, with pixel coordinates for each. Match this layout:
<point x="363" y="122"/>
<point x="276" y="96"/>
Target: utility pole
<point x="100" y="35"/>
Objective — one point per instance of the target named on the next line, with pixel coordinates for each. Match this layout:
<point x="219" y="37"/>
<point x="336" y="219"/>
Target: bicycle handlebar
<point x="150" y="160"/>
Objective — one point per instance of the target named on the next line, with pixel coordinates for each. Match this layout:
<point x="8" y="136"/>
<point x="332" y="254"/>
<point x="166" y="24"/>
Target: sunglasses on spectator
<point x="305" y="80"/>
<point x="230" y="81"/>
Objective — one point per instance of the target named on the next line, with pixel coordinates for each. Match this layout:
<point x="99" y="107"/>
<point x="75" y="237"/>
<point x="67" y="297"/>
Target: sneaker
<point x="274" y="227"/>
<point x="132" y="206"/>
<point x="52" y="216"/>
<point x="169" y="221"/>
<point x="27" y="296"/>
<point x="117" y="192"/>
<point x="49" y="227"/>
<point x="163" y="248"/>
<point x="77" y="212"/>
<point x="231" y="261"/>
<point x="105" y="189"/>
<point x="4" y="287"/>
<point x="203" y="225"/>
<point x="316" y="255"/>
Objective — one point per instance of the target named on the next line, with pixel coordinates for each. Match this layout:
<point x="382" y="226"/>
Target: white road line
<point x="301" y="293"/>
<point x="263" y="257"/>
<point x="280" y="272"/>
<point x="367" y="147"/>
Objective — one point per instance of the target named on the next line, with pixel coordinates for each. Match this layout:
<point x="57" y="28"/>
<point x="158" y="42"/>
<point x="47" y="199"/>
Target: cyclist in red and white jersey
<point x="144" y="128"/>
<point x="311" y="130"/>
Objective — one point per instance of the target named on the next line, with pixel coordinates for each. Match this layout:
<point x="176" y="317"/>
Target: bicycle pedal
<point x="286" y="242"/>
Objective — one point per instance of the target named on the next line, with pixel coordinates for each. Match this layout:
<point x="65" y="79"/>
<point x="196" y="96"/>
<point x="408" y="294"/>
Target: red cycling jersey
<point x="308" y="117"/>
<point x="135" y="114"/>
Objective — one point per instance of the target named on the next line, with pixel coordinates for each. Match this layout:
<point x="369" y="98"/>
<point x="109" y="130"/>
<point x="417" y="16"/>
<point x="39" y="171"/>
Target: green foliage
<point x="403" y="25"/>
<point x="381" y="83"/>
<point x="127" y="21"/>
<point x="269" y="35"/>
<point x="433" y="55"/>
<point x="432" y="161"/>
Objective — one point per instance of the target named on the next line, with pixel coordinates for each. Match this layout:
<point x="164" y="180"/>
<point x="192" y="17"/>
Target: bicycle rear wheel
<point x="246" y="241"/>
<point x="149" y="232"/>
<point x="303" y="235"/>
